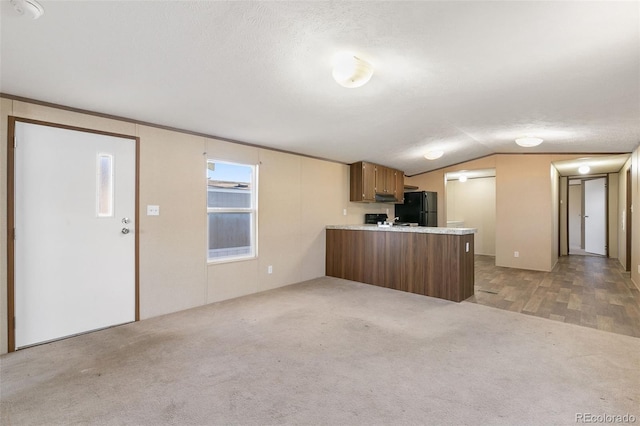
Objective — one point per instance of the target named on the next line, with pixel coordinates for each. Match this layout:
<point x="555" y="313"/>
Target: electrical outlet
<point x="344" y="212"/>
<point x="270" y="269"/>
<point x="516" y="254"/>
<point x="153" y="210"/>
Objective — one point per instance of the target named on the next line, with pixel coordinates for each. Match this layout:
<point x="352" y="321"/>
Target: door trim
<point x="582" y="180"/>
<point x="11" y="218"/>
<point x="606" y="211"/>
<point x="628" y="218"/>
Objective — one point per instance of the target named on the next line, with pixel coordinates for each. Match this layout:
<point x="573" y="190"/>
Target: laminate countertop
<point x="416" y="229"/>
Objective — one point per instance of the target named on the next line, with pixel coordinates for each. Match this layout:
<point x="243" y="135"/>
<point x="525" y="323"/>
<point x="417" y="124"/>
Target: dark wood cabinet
<point x="363" y="182"/>
<point x="385" y="180"/>
<point x="369" y="179"/>
<point x="436" y="265"/>
<point x="399" y="186"/>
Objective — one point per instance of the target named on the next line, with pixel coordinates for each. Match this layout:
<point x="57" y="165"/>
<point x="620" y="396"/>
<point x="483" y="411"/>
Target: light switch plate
<point x="153" y="210"/>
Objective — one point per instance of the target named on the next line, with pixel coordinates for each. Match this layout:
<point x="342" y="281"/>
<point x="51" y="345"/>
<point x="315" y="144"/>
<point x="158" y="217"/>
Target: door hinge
<point x="14" y="233"/>
<point x="14" y="323"/>
<point x="15" y="142"/>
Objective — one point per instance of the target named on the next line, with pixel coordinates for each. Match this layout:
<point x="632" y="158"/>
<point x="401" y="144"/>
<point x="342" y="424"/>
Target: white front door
<point x="595" y="216"/>
<point x="74" y="253"/>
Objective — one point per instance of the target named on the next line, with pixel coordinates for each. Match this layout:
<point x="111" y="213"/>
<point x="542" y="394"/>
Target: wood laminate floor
<point x="590" y="291"/>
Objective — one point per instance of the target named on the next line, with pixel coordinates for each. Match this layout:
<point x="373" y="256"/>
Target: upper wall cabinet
<point x="363" y="182"/>
<point x="399" y="186"/>
<point x="372" y="183"/>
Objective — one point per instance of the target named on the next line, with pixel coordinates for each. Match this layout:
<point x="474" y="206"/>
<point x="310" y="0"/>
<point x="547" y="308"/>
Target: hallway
<point x="589" y="291"/>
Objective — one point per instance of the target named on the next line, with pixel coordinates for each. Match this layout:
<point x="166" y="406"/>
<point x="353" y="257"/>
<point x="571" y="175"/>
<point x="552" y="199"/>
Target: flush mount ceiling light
<point x="30" y="8"/>
<point x="351" y="71"/>
<point x="434" y="155"/>
<point x="528" y="141"/>
<point x="584" y="169"/>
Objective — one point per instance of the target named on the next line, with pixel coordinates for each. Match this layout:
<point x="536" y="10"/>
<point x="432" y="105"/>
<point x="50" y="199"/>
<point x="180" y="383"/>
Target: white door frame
<point x="588" y="216"/>
<point x="11" y="216"/>
<point x="566" y="229"/>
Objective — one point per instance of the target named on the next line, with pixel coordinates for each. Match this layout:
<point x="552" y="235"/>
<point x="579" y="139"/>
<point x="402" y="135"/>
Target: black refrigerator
<point x="419" y="207"/>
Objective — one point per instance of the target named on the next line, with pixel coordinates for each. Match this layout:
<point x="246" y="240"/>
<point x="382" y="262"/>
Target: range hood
<point x="385" y="198"/>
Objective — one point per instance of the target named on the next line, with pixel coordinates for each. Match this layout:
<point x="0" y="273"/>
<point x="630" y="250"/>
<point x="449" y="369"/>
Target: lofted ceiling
<point x="464" y="77"/>
<point x="597" y="164"/>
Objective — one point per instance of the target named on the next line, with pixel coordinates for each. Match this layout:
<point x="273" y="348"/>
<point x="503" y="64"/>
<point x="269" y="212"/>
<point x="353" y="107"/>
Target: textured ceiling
<point x="597" y="164"/>
<point x="465" y="77"/>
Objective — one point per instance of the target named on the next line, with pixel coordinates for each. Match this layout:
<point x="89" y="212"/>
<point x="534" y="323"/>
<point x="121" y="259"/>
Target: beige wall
<point x="612" y="191"/>
<point x="555" y="215"/>
<point x="474" y="202"/>
<point x="526" y="205"/>
<point x="564" y="200"/>
<point x="524" y="211"/>
<point x="575" y="217"/>
<point x="635" y="219"/>
<point x="172" y="266"/>
<point x="298" y="197"/>
<point x="435" y="181"/>
<point x="622" y="214"/>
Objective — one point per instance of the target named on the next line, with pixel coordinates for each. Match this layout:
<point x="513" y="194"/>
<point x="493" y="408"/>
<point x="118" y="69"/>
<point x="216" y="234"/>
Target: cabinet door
<point x="362" y="187"/>
<point x="368" y="182"/>
<point x="385" y="180"/>
<point x="399" y="186"/>
<point x="389" y="181"/>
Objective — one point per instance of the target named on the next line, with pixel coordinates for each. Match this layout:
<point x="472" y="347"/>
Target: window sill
<point x="217" y="261"/>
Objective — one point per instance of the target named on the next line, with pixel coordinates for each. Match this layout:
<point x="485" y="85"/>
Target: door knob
<point x="125" y="230"/>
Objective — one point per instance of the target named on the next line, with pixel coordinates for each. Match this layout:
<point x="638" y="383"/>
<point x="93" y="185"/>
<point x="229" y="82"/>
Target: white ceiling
<point x="465" y="77"/>
<point x="471" y="174"/>
<point x="597" y="164"/>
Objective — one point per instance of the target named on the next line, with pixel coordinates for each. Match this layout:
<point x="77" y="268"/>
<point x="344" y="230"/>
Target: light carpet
<point x="326" y="352"/>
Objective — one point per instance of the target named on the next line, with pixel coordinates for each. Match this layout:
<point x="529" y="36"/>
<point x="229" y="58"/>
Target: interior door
<point x="74" y="248"/>
<point x="595" y="216"/>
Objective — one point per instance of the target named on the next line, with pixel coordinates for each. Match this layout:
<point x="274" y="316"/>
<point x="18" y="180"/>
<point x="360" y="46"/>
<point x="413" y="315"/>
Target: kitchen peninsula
<point x="435" y="262"/>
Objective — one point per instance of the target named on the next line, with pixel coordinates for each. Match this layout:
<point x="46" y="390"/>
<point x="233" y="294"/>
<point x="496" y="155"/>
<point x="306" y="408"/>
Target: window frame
<point x="252" y="210"/>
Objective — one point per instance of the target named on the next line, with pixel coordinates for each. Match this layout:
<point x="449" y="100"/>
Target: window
<point x="231" y="207"/>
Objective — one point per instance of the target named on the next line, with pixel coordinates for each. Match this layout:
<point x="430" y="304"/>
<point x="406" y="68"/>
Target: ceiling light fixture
<point x="462" y="178"/>
<point x="351" y="71"/>
<point x="584" y="169"/>
<point x="30" y="8"/>
<point x="528" y="141"/>
<point x="434" y="155"/>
